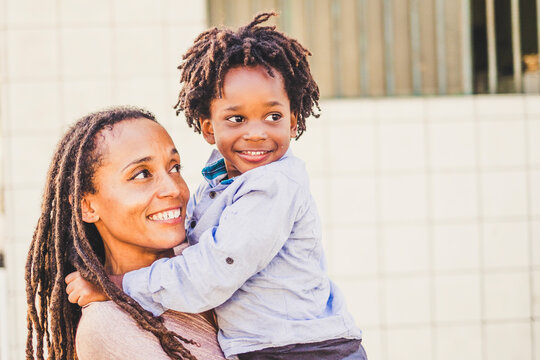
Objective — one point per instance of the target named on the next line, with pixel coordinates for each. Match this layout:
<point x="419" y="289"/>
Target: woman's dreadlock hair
<point x="215" y="51"/>
<point x="63" y="243"/>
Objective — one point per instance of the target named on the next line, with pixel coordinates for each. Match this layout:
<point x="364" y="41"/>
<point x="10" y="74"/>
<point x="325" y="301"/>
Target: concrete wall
<point x="430" y="206"/>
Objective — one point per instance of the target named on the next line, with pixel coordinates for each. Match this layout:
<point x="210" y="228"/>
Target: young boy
<point x="256" y="254"/>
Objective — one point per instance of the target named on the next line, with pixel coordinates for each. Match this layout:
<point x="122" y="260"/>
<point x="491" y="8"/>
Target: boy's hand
<point x="82" y="292"/>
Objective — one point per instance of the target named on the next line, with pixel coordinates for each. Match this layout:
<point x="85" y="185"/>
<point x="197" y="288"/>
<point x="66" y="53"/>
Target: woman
<point x="114" y="202"/>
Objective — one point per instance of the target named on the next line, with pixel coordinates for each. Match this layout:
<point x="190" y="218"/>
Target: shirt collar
<point x="215" y="171"/>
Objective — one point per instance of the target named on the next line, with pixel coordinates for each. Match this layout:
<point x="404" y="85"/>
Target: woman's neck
<point x="123" y="258"/>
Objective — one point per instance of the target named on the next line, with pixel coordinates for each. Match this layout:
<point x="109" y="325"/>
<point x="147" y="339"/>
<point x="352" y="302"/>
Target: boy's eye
<point x="176" y="168"/>
<point x="273" y="117"/>
<point x="235" y="119"/>
<point x="143" y="174"/>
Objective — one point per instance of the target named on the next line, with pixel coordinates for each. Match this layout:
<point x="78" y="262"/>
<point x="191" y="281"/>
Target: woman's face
<point x="140" y="200"/>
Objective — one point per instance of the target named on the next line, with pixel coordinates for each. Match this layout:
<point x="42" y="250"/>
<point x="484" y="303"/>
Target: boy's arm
<point x="251" y="231"/>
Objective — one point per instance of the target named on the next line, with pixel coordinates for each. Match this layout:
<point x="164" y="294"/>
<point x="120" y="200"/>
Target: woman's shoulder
<point x="106" y="331"/>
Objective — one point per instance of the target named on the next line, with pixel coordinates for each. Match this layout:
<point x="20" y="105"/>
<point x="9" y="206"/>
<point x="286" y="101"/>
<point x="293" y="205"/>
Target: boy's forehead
<point x="244" y="73"/>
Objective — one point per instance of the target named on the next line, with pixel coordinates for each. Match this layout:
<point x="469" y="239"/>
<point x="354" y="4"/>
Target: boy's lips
<point x="254" y="155"/>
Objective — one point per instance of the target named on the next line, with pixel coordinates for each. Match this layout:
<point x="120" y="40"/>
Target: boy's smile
<point x="251" y="123"/>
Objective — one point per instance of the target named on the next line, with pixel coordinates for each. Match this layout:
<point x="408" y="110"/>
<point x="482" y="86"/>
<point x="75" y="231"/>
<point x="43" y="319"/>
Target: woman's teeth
<point x="166" y="215"/>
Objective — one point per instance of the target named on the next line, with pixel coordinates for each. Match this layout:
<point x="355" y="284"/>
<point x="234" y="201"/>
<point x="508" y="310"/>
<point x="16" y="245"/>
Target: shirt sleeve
<point x="251" y="231"/>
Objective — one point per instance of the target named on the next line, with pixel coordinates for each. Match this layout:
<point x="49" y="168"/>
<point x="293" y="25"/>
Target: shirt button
<point x="229" y="260"/>
<point x="212" y="194"/>
<point x="192" y="224"/>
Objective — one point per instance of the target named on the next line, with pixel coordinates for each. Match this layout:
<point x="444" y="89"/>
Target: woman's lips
<point x="169" y="215"/>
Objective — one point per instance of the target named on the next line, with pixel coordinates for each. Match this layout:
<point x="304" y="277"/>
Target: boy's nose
<point x="255" y="131"/>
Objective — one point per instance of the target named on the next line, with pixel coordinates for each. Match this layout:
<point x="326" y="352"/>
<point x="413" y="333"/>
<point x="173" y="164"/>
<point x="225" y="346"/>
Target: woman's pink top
<point x="107" y="332"/>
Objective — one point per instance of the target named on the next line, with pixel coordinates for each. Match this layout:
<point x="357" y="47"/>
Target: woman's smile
<point x="172" y="216"/>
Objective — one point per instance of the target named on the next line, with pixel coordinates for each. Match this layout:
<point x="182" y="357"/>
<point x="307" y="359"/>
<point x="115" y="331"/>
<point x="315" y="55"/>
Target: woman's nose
<point x="169" y="186"/>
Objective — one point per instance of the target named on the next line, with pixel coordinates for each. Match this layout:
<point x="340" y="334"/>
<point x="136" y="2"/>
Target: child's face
<point x="251" y="123"/>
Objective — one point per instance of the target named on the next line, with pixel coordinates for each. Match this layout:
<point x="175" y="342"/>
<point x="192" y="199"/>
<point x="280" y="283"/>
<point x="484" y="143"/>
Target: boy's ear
<point x="89" y="214"/>
<point x="207" y="131"/>
<point x="294" y="125"/>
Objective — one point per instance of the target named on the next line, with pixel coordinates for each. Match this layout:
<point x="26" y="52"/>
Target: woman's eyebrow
<point x="146" y="159"/>
<point x="138" y="161"/>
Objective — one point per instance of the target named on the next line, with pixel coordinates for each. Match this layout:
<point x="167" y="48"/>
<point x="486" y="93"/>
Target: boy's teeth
<point x="254" y="153"/>
<point x="166" y="215"/>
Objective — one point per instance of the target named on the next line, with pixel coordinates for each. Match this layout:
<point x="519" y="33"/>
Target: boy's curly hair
<point x="215" y="51"/>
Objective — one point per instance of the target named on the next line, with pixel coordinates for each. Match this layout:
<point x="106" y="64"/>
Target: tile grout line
<point x="430" y="238"/>
<point x="378" y="233"/>
<point x="528" y="191"/>
<point x="482" y="286"/>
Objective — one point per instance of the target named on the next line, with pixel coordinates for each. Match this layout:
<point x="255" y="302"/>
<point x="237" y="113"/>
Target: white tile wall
<point x="534" y="180"/>
<point x="30" y="13"/>
<point x="534" y="227"/>
<point x="403" y="198"/>
<point x="344" y="140"/>
<point x="359" y="192"/>
<point x="85" y="13"/>
<point x="533" y="134"/>
<point x="430" y="206"/>
<point x="412" y="343"/>
<point x="43" y="115"/>
<point x="508" y="341"/>
<point x="507" y="295"/>
<point x="143" y="12"/>
<point x="452" y="145"/>
<point x="86" y="53"/>
<point x="32" y="54"/>
<point x="457" y="298"/>
<point x="535" y="293"/>
<point x="145" y="44"/>
<point x="405" y="249"/>
<point x="456" y="247"/>
<point x="407" y="300"/>
<point x="504" y="194"/>
<point x="506" y="245"/>
<point x="501" y="143"/>
<point x="444" y="109"/>
<point x="454" y="196"/>
<point x="459" y="342"/>
<point x="510" y="107"/>
<point x="354" y="251"/>
<point x="401" y="146"/>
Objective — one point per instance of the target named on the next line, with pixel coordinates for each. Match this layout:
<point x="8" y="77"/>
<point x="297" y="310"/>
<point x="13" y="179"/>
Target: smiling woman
<point x="114" y="201"/>
<point x="141" y="197"/>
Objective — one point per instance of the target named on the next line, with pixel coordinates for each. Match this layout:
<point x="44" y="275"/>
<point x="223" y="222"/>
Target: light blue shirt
<point x="256" y="257"/>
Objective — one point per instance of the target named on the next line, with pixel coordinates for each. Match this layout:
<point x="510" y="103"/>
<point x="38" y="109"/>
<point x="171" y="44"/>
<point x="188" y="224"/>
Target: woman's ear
<point x="207" y="131"/>
<point x="294" y="125"/>
<point x="89" y="214"/>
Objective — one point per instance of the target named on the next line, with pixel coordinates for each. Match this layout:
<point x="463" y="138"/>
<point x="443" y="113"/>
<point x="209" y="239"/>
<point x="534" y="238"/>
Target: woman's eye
<point x="273" y="117"/>
<point x="176" y="168"/>
<point x="235" y="119"/>
<point x="143" y="174"/>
